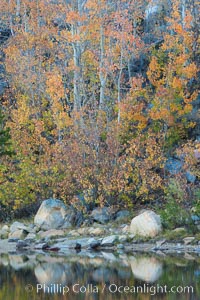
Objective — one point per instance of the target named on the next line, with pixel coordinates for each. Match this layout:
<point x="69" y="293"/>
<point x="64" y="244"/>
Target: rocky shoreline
<point x="81" y="245"/>
<point x="50" y="241"/>
<point x="52" y="230"/>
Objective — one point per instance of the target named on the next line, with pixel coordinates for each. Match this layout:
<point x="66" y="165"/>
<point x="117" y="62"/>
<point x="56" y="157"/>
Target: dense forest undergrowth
<point x="100" y="105"/>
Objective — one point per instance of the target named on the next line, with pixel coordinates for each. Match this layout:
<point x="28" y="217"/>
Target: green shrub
<point x="173" y="214"/>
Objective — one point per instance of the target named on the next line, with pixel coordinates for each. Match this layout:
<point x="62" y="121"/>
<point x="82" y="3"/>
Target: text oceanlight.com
<point x="109" y="288"/>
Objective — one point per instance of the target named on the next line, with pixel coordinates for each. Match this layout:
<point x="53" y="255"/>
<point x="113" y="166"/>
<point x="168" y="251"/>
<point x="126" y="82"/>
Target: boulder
<point x="5" y="228"/>
<point x="73" y="218"/>
<point x="41" y="246"/>
<point x="13" y="240"/>
<point x="122" y="214"/>
<point x="188" y="240"/>
<point x="31" y="237"/>
<point x="51" y="233"/>
<point x="96" y="231"/>
<point x="147" y="224"/>
<point x="17" y="234"/>
<point x="19" y="226"/>
<point x="123" y="238"/>
<point x="101" y="215"/>
<point x="3" y="234"/>
<point x="93" y="243"/>
<point x="83" y="231"/>
<point x="173" y="166"/>
<point x="51" y="214"/>
<point x="72" y="243"/>
<point x="74" y="233"/>
<point x="109" y="241"/>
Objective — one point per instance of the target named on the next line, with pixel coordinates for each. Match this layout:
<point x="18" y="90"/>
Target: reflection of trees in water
<point x="97" y="271"/>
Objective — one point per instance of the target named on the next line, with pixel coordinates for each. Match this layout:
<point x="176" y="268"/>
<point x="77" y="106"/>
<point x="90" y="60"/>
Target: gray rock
<point x="41" y="246"/>
<point x="93" y="243"/>
<point x="19" y="226"/>
<point x="13" y="240"/>
<point x="3" y="234"/>
<point x="160" y="243"/>
<point x="122" y="214"/>
<point x="173" y="166"/>
<point x="188" y="240"/>
<point x="66" y="225"/>
<point x="30" y="238"/>
<point x="51" y="214"/>
<point x="109" y="241"/>
<point x="72" y="244"/>
<point x="83" y="231"/>
<point x="101" y="215"/>
<point x="18" y="234"/>
<point x="96" y="231"/>
<point x="73" y="218"/>
<point x="195" y="218"/>
<point x="122" y="238"/>
<point x="79" y="219"/>
<point x="51" y="233"/>
<point x="190" y="177"/>
<point x="5" y="228"/>
<point x="73" y="233"/>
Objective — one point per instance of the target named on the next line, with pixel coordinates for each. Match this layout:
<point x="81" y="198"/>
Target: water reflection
<point x="147" y="269"/>
<point x="55" y="272"/>
<point x="92" y="272"/>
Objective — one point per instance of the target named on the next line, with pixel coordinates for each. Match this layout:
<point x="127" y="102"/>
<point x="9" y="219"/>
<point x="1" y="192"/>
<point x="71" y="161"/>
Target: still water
<point x="100" y="275"/>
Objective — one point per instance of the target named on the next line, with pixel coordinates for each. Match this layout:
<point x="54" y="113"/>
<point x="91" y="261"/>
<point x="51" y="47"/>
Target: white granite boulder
<point x="51" y="214"/>
<point x="147" y="224"/>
